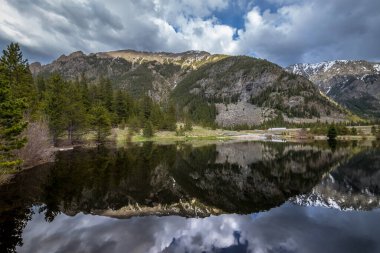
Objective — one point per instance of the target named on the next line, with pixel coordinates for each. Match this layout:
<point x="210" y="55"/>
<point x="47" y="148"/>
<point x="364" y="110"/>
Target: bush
<point x="148" y="129"/>
<point x="332" y="133"/>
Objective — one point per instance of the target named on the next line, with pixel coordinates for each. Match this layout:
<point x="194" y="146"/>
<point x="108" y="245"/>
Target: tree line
<point x="75" y="108"/>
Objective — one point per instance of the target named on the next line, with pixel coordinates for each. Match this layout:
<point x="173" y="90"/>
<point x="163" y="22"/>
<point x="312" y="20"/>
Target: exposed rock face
<point x="354" y="84"/>
<point x="252" y="90"/>
<point x="35" y="67"/>
<point x="353" y="186"/>
<point x="242" y="113"/>
<point x="138" y="72"/>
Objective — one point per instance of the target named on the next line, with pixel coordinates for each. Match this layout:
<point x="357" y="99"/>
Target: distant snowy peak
<point x="337" y="66"/>
<point x="314" y="68"/>
<point x="376" y="67"/>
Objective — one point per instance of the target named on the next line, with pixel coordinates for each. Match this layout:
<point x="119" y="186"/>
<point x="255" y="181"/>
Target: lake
<point x="198" y="197"/>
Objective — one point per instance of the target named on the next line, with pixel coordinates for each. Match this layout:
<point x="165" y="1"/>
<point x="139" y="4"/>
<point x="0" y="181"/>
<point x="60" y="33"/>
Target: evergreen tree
<point x="157" y="117"/>
<point x="75" y="111"/>
<point x="146" y="105"/>
<point x="100" y="120"/>
<point x="14" y="77"/>
<point x="85" y="92"/>
<point x="11" y="126"/>
<point x="148" y="129"/>
<point x="121" y="106"/>
<point x="106" y="93"/>
<point x="55" y="105"/>
<point x="16" y="73"/>
<point x="332" y="133"/>
<point x="171" y="119"/>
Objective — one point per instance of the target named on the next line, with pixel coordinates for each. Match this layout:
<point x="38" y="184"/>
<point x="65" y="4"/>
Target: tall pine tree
<point x="15" y="93"/>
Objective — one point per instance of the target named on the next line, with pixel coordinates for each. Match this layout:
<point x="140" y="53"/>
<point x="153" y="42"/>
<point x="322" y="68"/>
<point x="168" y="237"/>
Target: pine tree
<point x="106" y="93"/>
<point x="13" y="102"/>
<point x="85" y="92"/>
<point x="121" y="106"/>
<point x="75" y="111"/>
<point x="100" y="120"/>
<point x="55" y="105"/>
<point x="148" y="129"/>
<point x="17" y="76"/>
<point x="170" y="118"/>
<point x="332" y="133"/>
<point x="145" y="108"/>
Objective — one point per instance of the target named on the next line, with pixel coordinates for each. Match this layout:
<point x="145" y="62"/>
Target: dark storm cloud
<point x="283" y="31"/>
<point x="315" y="30"/>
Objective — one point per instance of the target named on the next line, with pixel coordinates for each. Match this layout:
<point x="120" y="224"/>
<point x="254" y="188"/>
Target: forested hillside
<point x="246" y="91"/>
<point x="210" y="89"/>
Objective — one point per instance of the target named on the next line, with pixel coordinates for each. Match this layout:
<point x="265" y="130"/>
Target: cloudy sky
<point x="279" y="230"/>
<point x="282" y="31"/>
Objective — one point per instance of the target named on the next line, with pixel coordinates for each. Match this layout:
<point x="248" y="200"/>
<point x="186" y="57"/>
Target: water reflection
<point x="190" y="181"/>
<point x="355" y="185"/>
<point x="289" y="228"/>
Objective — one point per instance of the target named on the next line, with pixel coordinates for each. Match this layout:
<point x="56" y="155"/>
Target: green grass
<point x="198" y="133"/>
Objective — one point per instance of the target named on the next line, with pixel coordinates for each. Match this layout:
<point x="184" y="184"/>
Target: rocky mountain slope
<point x="228" y="90"/>
<point x="250" y="91"/>
<point x="354" y="185"/>
<point x="138" y="72"/>
<point x="354" y="84"/>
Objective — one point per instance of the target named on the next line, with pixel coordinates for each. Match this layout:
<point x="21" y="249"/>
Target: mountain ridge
<point x="354" y="84"/>
<point x="228" y="90"/>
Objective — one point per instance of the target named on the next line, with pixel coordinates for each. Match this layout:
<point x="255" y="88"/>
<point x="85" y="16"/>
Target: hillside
<point x="354" y="84"/>
<point x="247" y="91"/>
<point x="137" y="72"/>
<point x="228" y="90"/>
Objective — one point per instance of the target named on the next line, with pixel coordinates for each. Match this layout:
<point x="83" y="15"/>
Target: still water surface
<point x="224" y="197"/>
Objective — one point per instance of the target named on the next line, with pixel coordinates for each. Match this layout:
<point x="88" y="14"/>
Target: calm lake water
<point x="224" y="197"/>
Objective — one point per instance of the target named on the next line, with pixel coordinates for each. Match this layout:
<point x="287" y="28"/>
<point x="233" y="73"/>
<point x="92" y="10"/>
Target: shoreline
<point x="119" y="138"/>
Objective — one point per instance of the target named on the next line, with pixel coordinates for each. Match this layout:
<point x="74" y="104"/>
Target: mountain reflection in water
<point x="51" y="208"/>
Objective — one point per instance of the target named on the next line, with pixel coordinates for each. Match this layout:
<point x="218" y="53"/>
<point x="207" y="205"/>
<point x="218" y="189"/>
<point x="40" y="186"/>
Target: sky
<point x="282" y="31"/>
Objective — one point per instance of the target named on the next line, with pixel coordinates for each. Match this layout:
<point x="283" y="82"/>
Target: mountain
<point x="354" y="185"/>
<point x="228" y="90"/>
<point x="354" y="84"/>
<point x="249" y="91"/>
<point x="138" y="72"/>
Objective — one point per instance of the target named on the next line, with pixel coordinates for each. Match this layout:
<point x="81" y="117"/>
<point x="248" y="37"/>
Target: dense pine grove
<point x="75" y="108"/>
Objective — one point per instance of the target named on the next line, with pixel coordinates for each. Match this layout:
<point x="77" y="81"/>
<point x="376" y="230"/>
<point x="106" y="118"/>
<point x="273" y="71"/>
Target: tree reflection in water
<point x="185" y="180"/>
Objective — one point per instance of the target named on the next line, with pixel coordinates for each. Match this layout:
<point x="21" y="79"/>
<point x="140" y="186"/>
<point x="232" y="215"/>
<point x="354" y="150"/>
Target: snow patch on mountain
<point x="313" y="68"/>
<point x="376" y="67"/>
